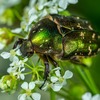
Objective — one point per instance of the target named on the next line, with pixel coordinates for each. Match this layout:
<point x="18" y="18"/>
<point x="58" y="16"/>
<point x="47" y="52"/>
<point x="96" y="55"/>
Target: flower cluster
<point x="17" y="66"/>
<point x="37" y="10"/>
<point x="57" y="81"/>
<point x="88" y="96"/>
<point x="8" y="83"/>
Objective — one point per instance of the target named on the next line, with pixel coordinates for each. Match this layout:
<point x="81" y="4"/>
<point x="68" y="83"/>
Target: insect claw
<point x="42" y="84"/>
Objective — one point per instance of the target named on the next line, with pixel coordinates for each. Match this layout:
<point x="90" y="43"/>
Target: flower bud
<point x="8" y="83"/>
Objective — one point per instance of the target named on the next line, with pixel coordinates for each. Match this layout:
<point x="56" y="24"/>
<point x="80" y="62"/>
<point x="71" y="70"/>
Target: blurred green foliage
<point x="90" y="9"/>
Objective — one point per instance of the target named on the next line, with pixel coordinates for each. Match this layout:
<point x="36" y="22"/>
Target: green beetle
<point x="59" y="37"/>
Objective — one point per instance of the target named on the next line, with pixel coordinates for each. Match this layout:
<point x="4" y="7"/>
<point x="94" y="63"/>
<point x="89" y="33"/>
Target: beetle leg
<point x="53" y="62"/>
<point x="19" y="41"/>
<point x="46" y="72"/>
<point x="77" y="60"/>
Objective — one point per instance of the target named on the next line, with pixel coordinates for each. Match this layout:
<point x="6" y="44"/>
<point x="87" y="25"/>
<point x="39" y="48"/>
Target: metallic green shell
<point x="63" y="37"/>
<point x="46" y="37"/>
<point x="81" y="42"/>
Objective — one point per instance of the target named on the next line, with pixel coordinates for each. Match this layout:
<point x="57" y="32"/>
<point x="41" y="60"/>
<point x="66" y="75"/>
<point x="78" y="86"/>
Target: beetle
<point x="60" y="37"/>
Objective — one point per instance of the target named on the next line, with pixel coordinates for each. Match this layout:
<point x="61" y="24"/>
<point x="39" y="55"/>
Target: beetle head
<point x="26" y="47"/>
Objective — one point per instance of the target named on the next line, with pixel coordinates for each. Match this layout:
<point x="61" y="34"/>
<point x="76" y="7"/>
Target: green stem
<point x="37" y="75"/>
<point x="52" y="95"/>
<point x="28" y="66"/>
<point x="87" y="79"/>
<point x="17" y="14"/>
<point x="65" y="90"/>
<point x="91" y="81"/>
<point x="28" y="73"/>
<point x="63" y="95"/>
<point x="80" y="71"/>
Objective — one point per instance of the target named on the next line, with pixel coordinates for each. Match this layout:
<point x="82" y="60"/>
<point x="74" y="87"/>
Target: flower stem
<point x="17" y="14"/>
<point x="85" y="74"/>
<point x="28" y="73"/>
<point x="63" y="95"/>
<point x="94" y="88"/>
<point x="28" y="66"/>
<point x="52" y="95"/>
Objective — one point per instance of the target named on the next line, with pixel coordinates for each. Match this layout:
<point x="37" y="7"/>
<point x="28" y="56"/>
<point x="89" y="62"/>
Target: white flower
<point x="88" y="96"/>
<point x="28" y="92"/>
<point x="18" y="63"/>
<point x="46" y="86"/>
<point x="37" y="10"/>
<point x="17" y="67"/>
<point x="15" y="71"/>
<point x="21" y="62"/>
<point x="63" y="4"/>
<point x="16" y="30"/>
<point x="56" y="87"/>
<point x="12" y="55"/>
<point x="19" y="74"/>
<point x="12" y="69"/>
<point x="1" y="46"/>
<point x="72" y="1"/>
<point x="59" y="81"/>
<point x="15" y="62"/>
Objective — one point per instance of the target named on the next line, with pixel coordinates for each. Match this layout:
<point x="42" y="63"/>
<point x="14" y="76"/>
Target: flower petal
<point x="64" y="83"/>
<point x="14" y="58"/>
<point x="31" y="85"/>
<point x="22" y="97"/>
<point x="56" y="87"/>
<point x="58" y="73"/>
<point x="5" y="55"/>
<point x="28" y="98"/>
<point x="63" y="4"/>
<point x="53" y="79"/>
<point x="11" y="69"/>
<point x="23" y="69"/>
<point x="36" y="96"/>
<point x="25" y="85"/>
<point x="68" y="74"/>
<point x="57" y="68"/>
<point x="72" y="1"/>
<point x="18" y="52"/>
<point x="96" y="97"/>
<point x="32" y="3"/>
<point x="22" y="76"/>
<point x="32" y="18"/>
<point x="43" y="13"/>
<point x="25" y="59"/>
<point x="1" y="46"/>
<point x="45" y="87"/>
<point x="53" y="10"/>
<point x="16" y="30"/>
<point x="87" y="96"/>
<point x="32" y="11"/>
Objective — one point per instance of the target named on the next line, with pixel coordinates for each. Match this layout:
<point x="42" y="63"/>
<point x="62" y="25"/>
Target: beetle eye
<point x="26" y="49"/>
